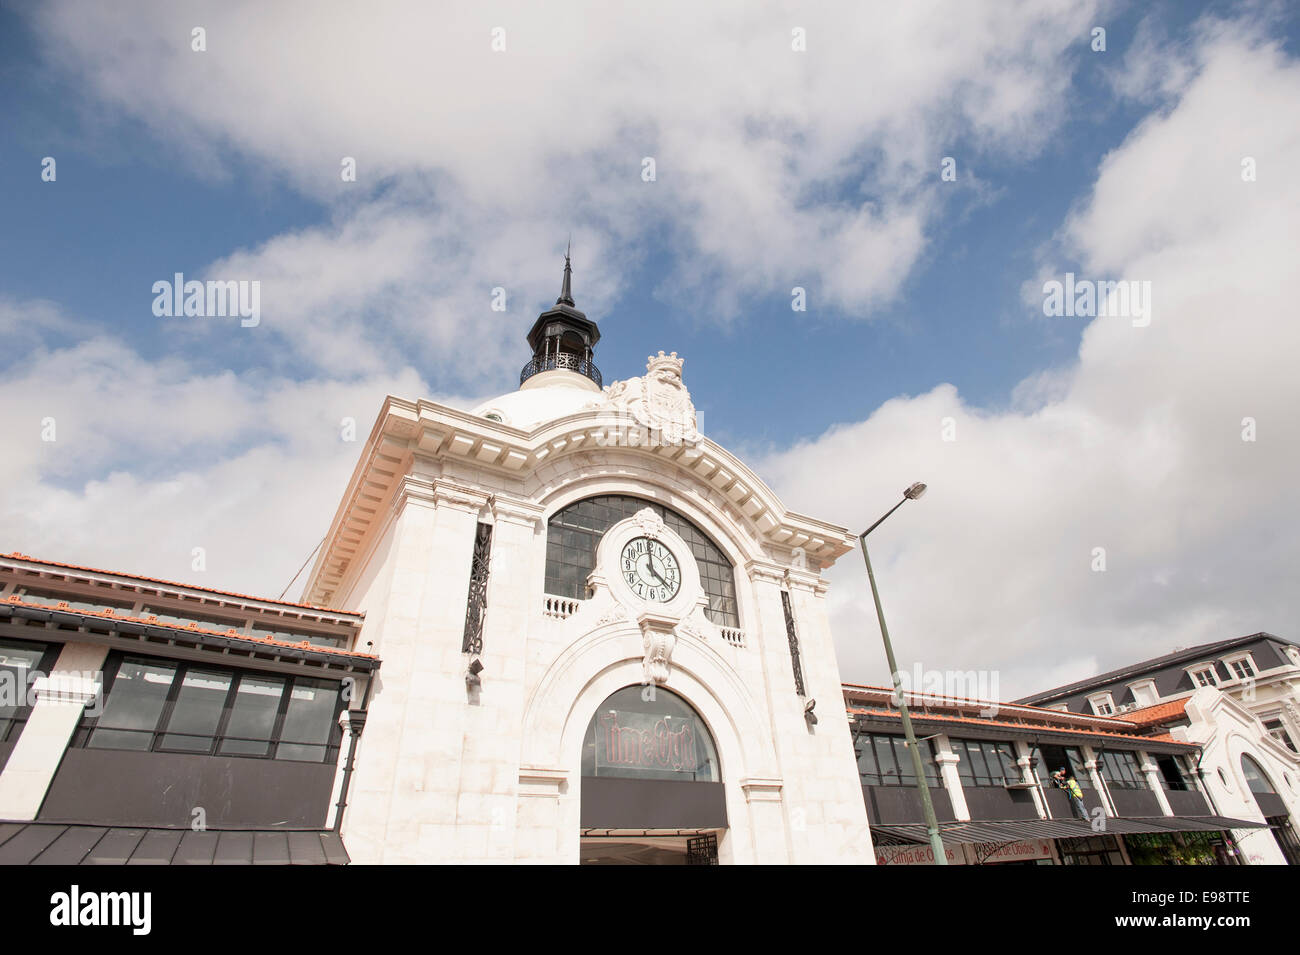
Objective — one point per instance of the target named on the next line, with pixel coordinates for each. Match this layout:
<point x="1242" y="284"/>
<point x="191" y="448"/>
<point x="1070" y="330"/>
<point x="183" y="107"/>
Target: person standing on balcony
<point x="1073" y="791"/>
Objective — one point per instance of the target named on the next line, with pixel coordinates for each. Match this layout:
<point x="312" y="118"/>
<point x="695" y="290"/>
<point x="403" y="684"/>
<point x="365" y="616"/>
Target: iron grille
<point x="794" y="642"/>
<point x="702" y="850"/>
<point x="478" y="579"/>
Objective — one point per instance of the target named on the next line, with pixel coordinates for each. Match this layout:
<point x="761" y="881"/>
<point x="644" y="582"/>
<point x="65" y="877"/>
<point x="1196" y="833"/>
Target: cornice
<point x="436" y="433"/>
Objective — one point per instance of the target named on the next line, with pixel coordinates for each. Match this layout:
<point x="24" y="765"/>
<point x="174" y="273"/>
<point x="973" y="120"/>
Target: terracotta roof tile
<point x="1027" y="728"/>
<point x="111" y="614"/>
<point x="1159" y="713"/>
<point x="179" y="586"/>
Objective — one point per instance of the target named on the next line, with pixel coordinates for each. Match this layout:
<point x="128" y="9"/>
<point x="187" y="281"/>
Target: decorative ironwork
<point x="702" y="850"/>
<point x="794" y="642"/>
<point x="565" y="361"/>
<point x="478" y="579"/>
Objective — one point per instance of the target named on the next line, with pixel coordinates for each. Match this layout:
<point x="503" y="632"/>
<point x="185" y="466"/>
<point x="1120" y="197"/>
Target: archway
<point x="1272" y="808"/>
<point x="652" y="791"/>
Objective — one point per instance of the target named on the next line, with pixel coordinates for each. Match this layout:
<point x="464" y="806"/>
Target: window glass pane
<point x="663" y="738"/>
<point x="197" y="711"/>
<point x="252" y="716"/>
<point x="309" y="720"/>
<point x="978" y="767"/>
<point x="885" y="758"/>
<point x="574" y="533"/>
<point x="18" y="662"/>
<point x="135" y="701"/>
<point x="867" y="762"/>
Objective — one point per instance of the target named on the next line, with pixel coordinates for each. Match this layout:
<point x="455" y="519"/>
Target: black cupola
<point x="562" y="338"/>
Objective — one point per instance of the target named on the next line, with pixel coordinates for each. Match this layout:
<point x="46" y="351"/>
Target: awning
<point x="1000" y="831"/>
<point x="1014" y="830"/>
<point x="43" y="843"/>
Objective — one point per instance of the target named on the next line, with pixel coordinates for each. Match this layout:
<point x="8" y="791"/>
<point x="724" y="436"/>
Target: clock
<point x="650" y="569"/>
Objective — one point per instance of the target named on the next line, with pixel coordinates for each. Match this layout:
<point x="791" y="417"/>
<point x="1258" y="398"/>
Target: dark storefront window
<point x="985" y="763"/>
<point x="1172" y="775"/>
<point x="168" y="706"/>
<point x="1090" y="850"/>
<point x="886" y="761"/>
<point x="1048" y="759"/>
<point x="20" y="661"/>
<point x="1122" y="771"/>
<point x="573" y="533"/>
<point x="631" y="737"/>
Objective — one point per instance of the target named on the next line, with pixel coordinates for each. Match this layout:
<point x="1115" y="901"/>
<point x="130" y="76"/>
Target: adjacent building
<point x="1238" y="700"/>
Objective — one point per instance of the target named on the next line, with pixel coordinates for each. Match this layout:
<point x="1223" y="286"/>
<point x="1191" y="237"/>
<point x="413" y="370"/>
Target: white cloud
<point x="774" y="167"/>
<point x="1137" y="448"/>
<point x="151" y="459"/>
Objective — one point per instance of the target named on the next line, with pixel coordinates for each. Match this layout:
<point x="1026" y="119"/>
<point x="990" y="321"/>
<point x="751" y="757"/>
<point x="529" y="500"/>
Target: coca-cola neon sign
<point x="627" y="740"/>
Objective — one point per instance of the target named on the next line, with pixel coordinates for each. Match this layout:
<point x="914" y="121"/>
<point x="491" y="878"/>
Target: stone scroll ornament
<point x="659" y="645"/>
<point x="649" y="522"/>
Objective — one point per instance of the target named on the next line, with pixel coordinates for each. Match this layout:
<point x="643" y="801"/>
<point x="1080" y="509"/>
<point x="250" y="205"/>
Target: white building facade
<point x="603" y="637"/>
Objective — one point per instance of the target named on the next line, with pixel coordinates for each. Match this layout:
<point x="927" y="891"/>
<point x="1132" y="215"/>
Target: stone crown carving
<point x="658" y="400"/>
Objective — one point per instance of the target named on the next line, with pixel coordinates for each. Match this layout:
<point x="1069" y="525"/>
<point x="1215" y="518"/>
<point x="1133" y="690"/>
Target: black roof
<point x="1146" y="666"/>
<point x="44" y="843"/>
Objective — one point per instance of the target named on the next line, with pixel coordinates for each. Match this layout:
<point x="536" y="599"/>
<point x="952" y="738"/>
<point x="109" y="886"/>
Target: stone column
<point x="77" y="680"/>
<point x="948" y="761"/>
<point x="1098" y="785"/>
<point x="1025" y="760"/>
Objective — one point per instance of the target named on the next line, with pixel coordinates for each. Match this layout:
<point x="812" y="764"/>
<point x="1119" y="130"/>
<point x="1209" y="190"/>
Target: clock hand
<point x="650" y="562"/>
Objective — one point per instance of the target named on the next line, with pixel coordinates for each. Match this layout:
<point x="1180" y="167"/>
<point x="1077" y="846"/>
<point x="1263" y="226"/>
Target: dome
<point x="545" y="397"/>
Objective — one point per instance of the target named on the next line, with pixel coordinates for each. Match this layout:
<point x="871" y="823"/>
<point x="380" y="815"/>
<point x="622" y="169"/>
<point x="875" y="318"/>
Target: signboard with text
<point x="645" y="741"/>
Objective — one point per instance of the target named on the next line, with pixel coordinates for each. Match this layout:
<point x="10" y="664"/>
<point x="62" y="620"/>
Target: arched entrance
<point x="651" y="782"/>
<point x="1273" y="809"/>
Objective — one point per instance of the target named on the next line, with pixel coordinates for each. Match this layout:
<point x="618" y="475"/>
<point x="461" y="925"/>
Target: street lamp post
<point x="923" y="785"/>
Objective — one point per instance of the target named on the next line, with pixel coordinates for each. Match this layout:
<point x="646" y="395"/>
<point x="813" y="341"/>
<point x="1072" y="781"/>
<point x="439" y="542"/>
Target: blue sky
<point x="224" y="163"/>
<point x="125" y="213"/>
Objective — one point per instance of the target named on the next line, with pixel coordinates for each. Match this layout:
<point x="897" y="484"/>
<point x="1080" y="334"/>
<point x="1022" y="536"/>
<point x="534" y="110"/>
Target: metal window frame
<point x="161" y="729"/>
<point x="11" y="727"/>
<point x="723" y="606"/>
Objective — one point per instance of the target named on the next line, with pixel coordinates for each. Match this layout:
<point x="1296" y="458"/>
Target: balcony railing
<point x="564" y="361"/>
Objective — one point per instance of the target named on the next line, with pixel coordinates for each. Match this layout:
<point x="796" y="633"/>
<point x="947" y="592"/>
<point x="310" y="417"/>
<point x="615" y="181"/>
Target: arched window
<point x="1255" y="777"/>
<point x="574" y="532"/>
<point x="663" y="738"/>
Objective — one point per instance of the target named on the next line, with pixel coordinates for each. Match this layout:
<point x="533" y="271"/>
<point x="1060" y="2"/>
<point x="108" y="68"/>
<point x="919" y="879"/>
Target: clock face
<point x="650" y="569"/>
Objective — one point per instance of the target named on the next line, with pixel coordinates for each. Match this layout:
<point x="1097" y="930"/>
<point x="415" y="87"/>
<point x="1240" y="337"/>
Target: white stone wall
<point x="1226" y="731"/>
<point x="445" y="773"/>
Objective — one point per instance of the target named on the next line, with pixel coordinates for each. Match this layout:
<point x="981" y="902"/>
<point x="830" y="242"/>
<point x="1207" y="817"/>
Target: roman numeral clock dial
<point x="651" y="570"/>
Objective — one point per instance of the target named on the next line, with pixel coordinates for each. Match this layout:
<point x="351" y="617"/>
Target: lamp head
<point x="914" y="492"/>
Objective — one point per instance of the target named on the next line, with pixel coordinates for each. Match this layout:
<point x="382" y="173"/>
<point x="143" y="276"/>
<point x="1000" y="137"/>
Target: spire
<point x="566" y="294"/>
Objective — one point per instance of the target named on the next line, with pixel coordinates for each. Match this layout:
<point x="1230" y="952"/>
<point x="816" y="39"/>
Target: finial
<point x="566" y="294"/>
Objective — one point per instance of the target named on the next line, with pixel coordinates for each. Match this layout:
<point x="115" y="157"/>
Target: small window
<point x="1277" y="730"/>
<point x="1102" y="704"/>
<point x="1144" y="693"/>
<point x="52" y="598"/>
<point x="1241" y="668"/>
<point x="1204" y="676"/>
